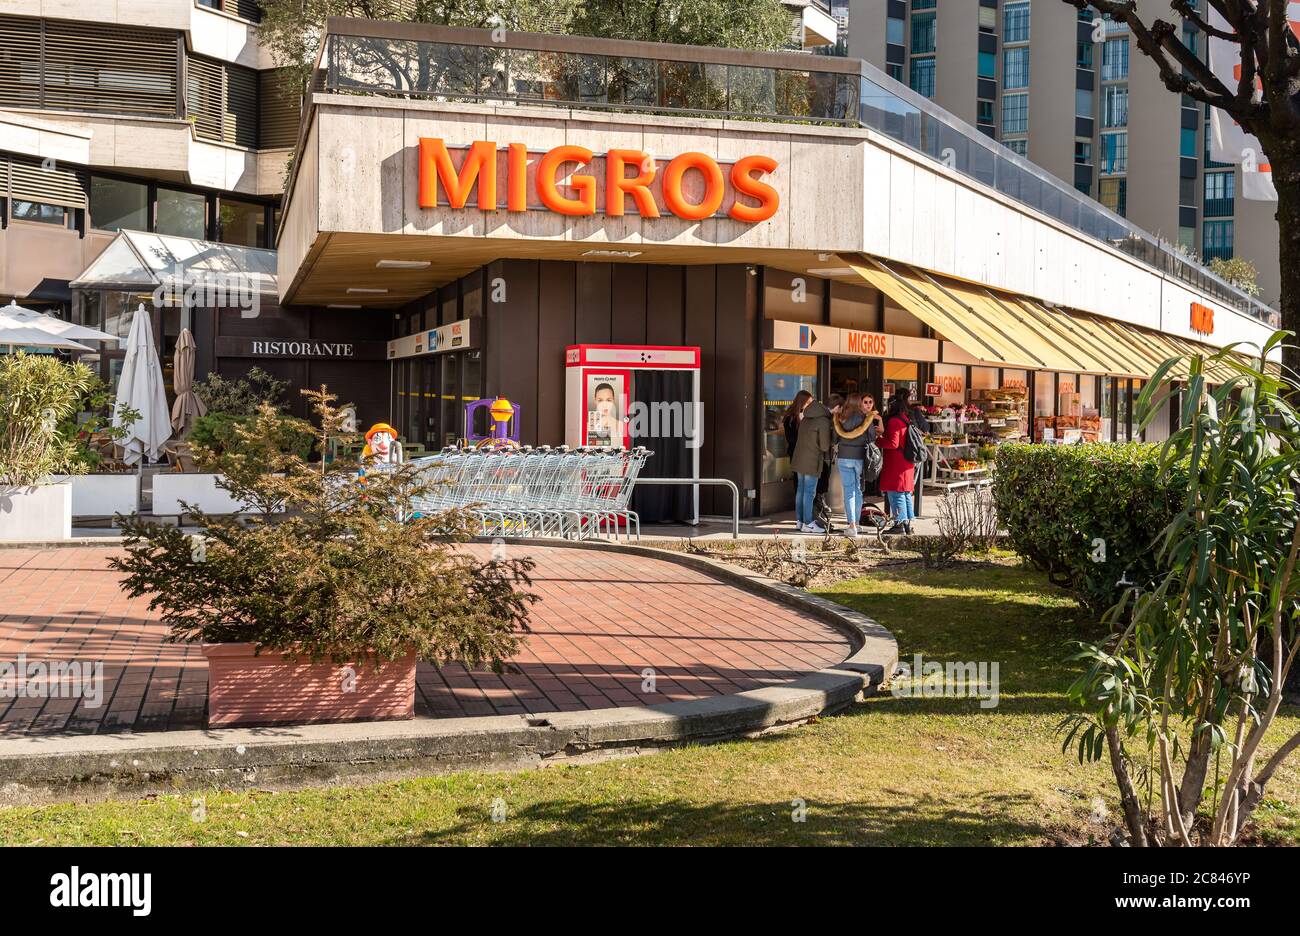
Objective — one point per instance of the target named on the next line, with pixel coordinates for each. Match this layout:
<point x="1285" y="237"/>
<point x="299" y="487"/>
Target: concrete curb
<point x="82" y="767"/>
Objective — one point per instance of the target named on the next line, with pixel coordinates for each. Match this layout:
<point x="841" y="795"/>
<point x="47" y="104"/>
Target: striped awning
<point x="1010" y="330"/>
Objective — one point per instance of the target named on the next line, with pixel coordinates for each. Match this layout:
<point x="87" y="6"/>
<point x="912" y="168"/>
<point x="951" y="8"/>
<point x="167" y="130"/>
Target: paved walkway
<point x="603" y="619"/>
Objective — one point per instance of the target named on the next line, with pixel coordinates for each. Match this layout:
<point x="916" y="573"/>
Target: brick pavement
<point x="603" y="619"/>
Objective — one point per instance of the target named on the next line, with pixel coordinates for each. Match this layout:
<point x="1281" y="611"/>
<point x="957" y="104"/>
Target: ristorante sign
<point x="574" y="181"/>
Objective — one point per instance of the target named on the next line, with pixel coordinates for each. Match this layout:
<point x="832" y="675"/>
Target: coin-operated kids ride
<point x="502" y="423"/>
<point x="382" y="446"/>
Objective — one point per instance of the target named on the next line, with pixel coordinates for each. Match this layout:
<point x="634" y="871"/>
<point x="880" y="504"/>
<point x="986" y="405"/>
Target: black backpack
<point x="872" y="463"/>
<point x="914" y="449"/>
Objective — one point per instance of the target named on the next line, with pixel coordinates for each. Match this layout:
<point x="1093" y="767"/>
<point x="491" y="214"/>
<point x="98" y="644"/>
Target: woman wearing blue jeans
<point x="810" y="450"/>
<point x="855" y="424"/>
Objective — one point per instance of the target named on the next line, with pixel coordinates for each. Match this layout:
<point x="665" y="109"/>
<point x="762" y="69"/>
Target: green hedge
<point x="1056" y="501"/>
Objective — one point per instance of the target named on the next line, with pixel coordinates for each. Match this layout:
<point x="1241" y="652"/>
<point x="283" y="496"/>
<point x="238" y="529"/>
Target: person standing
<point x="898" y="476"/>
<point x="854" y="431"/>
<point x="810" y="451"/>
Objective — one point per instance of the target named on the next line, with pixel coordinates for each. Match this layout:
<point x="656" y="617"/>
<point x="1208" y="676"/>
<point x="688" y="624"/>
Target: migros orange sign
<point x="691" y="186"/>
<point x="1202" y="319"/>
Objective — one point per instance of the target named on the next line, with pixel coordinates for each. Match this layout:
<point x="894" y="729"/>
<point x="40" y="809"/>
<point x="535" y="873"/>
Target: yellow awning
<point x="1005" y="329"/>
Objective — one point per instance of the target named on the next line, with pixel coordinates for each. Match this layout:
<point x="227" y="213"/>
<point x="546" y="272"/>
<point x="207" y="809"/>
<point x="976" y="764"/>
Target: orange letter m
<point x="435" y="166"/>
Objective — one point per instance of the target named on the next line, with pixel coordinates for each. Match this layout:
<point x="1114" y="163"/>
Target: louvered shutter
<point x="20" y="62"/>
<point x="240" y="126"/>
<point x="280" y="108"/>
<point x="106" y="68"/>
<point x="221" y="100"/>
<point x="48" y="181"/>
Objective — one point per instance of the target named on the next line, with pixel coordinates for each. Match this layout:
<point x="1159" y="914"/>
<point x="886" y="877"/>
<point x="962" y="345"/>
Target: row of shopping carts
<point x="567" y="493"/>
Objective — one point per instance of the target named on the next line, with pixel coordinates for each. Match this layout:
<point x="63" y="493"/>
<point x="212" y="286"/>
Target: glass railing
<point x="449" y="71"/>
<point x="466" y="65"/>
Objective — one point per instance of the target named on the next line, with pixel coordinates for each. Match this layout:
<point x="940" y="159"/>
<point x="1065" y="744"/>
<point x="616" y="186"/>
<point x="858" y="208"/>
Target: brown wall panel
<point x="493" y="333"/>
<point x="701" y="329"/>
<point x="594" y="303"/>
<point x="664" y="310"/>
<point x="515" y="343"/>
<point x="555" y="331"/>
<point x="629" y="297"/>
<point x="736" y="369"/>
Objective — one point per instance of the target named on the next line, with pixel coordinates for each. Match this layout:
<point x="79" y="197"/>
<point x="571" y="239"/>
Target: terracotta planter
<point x="244" y="689"/>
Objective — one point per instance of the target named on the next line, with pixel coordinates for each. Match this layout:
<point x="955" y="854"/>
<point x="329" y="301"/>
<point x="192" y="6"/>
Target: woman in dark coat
<point x="807" y="460"/>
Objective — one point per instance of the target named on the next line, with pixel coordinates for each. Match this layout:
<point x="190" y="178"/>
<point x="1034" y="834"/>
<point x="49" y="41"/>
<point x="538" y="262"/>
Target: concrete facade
<point x="1153" y="194"/>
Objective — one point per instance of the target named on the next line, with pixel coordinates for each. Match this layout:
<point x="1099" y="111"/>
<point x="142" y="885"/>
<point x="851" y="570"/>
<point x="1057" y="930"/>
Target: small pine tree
<point x="347" y="572"/>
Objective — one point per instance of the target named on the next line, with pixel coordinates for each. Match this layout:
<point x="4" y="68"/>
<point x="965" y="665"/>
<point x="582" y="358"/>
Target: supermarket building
<point x="803" y="221"/>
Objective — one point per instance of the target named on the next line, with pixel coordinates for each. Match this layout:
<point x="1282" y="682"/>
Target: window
<point x="988" y="21"/>
<point x="984" y="112"/>
<point x="1015" y="113"/>
<point x="116" y="205"/>
<point x="1113" y="194"/>
<point x="895" y="72"/>
<point x="894" y="31"/>
<point x="1115" y="106"/>
<point x="1187" y="143"/>
<point x="1216" y="240"/>
<point x="1083" y="153"/>
<point x="1084" y="55"/>
<point x="923" y="33"/>
<point x="922" y="78"/>
<point x="1019" y="147"/>
<point x="1015" y="22"/>
<point x="40" y="211"/>
<point x="1114" y="60"/>
<point x="1015" y="68"/>
<point x="1083" y="103"/>
<point x="924" y="4"/>
<point x="988" y="65"/>
<point x="242" y="223"/>
<point x="1114" y="153"/>
<point x="1220" y="190"/>
<point x="181" y="213"/>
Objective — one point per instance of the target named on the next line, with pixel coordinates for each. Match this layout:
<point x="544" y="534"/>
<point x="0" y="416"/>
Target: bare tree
<point x="1265" y="99"/>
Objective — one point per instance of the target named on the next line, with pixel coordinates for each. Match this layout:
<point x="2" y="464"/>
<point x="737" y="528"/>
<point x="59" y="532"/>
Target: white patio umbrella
<point x="15" y="314"/>
<point x="141" y="388"/>
<point x="14" y="335"/>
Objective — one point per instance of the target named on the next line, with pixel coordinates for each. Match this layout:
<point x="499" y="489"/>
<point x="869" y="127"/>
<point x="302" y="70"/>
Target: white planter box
<point x="200" y="490"/>
<point x="103" y="495"/>
<point x="39" y="513"/>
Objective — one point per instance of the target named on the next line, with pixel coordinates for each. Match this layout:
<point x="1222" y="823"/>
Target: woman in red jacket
<point x="898" y="476"/>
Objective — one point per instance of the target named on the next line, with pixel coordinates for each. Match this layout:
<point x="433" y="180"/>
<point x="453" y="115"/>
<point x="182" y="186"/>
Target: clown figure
<point x="382" y="446"/>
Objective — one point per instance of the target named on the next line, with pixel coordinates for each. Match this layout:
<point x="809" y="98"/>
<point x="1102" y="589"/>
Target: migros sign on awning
<point x="692" y="186"/>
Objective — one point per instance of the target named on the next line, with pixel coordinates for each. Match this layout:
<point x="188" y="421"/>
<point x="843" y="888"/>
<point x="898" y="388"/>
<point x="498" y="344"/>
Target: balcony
<point x="454" y="64"/>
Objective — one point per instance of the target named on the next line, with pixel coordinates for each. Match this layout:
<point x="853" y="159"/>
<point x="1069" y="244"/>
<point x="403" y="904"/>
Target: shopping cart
<point x="536" y="492"/>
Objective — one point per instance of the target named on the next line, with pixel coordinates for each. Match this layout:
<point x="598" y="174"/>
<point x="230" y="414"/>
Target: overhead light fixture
<point x="613" y="253"/>
<point x="366" y="291"/>
<point x="402" y="264"/>
<point x="832" y="271"/>
<point x="342" y="305"/>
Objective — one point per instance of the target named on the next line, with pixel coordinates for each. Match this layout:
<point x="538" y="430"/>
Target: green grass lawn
<point x="888" y="772"/>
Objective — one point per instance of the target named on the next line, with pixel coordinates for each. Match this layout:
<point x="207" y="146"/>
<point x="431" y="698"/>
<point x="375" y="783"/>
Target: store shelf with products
<point x="1006" y="413"/>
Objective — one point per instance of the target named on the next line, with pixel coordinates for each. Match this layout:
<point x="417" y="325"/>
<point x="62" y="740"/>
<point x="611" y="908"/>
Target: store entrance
<point x="857" y="375"/>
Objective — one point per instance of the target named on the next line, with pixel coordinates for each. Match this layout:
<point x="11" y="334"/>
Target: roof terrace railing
<point x="456" y="64"/>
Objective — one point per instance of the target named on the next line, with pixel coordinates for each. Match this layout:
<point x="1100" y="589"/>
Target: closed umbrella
<point x="15" y="314"/>
<point x="141" y="388"/>
<point x="188" y="407"/>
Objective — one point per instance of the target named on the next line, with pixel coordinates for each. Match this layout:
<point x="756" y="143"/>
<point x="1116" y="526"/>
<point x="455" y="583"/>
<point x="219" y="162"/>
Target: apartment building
<point x="1071" y="92"/>
<point x="161" y="116"/>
